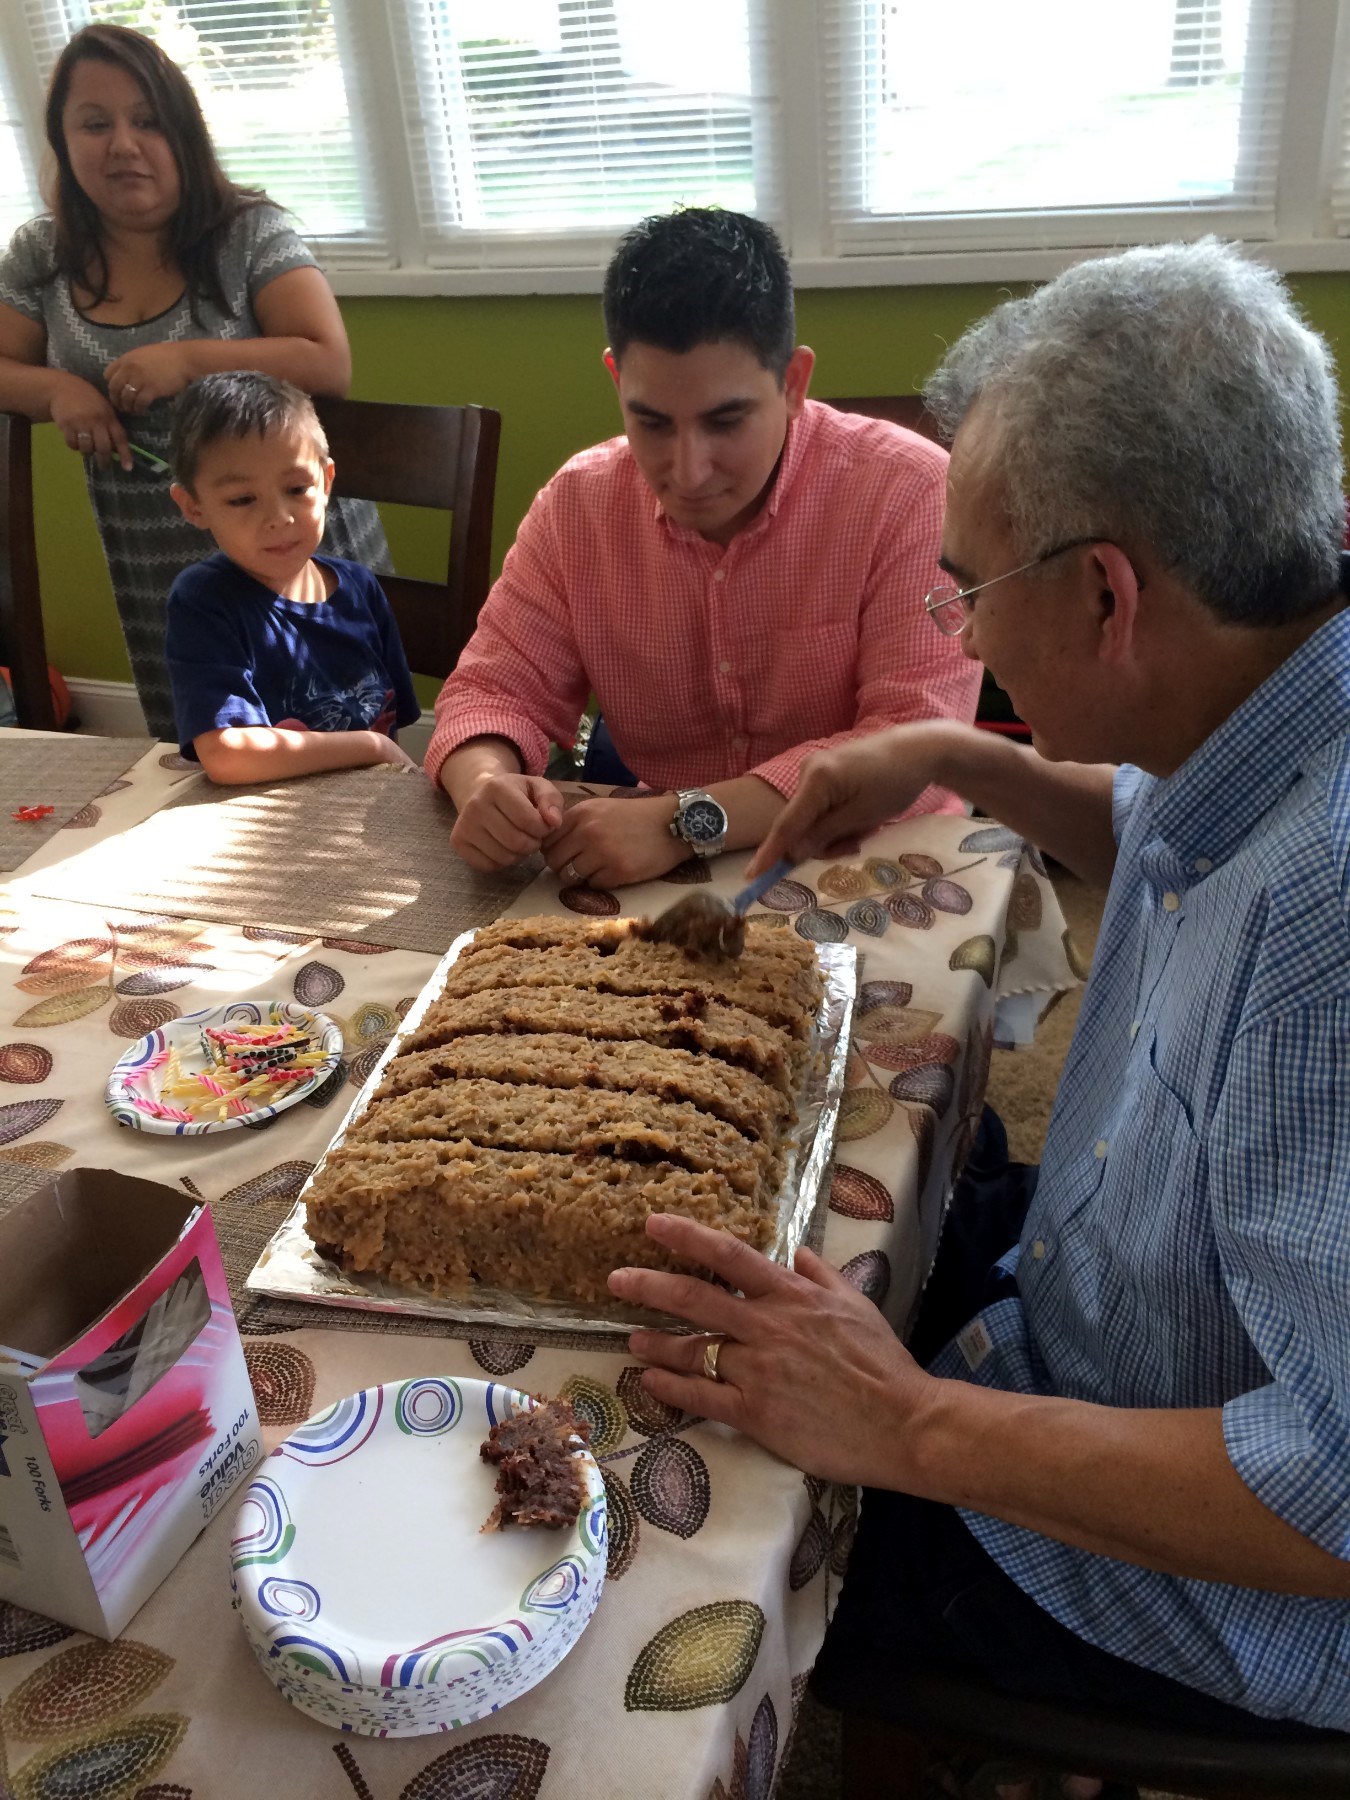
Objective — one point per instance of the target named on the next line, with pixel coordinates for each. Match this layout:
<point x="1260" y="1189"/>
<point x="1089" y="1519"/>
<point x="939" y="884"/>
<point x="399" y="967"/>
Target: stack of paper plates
<point x="366" y="1586"/>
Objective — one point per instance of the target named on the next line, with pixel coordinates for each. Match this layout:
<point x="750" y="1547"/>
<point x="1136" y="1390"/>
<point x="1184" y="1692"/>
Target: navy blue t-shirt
<point x="239" y="654"/>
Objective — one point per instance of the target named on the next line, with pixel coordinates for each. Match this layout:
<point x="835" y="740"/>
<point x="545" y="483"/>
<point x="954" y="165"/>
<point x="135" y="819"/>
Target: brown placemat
<point x="359" y="853"/>
<point x="65" y="773"/>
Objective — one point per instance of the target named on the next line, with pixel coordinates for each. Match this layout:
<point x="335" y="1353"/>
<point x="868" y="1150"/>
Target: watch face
<point x="702" y="822"/>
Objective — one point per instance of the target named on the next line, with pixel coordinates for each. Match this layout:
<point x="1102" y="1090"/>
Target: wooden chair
<point x="444" y="457"/>
<point x="23" y="648"/>
<point x="994" y="712"/>
<point x="1116" y="1744"/>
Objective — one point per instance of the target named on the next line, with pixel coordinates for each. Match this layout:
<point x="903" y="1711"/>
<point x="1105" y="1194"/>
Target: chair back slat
<point x="439" y="457"/>
<point x="23" y="646"/>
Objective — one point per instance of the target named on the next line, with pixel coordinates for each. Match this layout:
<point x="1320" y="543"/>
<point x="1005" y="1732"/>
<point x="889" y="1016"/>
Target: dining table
<point x="135" y="892"/>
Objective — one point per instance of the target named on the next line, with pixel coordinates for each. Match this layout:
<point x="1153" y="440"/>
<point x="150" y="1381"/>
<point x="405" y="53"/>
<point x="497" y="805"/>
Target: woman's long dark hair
<point x="208" y="200"/>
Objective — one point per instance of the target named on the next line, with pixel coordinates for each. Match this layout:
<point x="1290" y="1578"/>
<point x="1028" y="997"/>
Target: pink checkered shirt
<point x="711" y="662"/>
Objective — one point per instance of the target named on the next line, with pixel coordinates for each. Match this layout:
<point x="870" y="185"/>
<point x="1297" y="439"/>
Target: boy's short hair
<point x="701" y="275"/>
<point x="237" y="403"/>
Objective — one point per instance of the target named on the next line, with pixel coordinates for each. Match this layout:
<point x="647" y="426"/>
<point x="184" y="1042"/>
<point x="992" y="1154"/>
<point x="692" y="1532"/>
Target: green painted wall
<point x="537" y="359"/>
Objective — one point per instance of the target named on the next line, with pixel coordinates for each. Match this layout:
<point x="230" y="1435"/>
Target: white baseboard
<point x="111" y="709"/>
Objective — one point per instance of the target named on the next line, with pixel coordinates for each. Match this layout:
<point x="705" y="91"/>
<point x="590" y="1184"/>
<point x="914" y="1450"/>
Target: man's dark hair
<point x="238" y="404"/>
<point x="208" y="199"/>
<point x="701" y="276"/>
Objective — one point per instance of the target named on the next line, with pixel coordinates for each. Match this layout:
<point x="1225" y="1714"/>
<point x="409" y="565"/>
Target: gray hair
<point x="1168" y="397"/>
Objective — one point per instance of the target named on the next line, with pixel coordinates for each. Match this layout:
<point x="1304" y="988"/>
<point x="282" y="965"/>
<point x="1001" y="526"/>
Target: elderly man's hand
<point x="610" y="843"/>
<point x="808" y="1367"/>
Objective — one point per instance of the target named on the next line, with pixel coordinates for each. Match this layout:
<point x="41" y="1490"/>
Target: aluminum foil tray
<point x="291" y="1268"/>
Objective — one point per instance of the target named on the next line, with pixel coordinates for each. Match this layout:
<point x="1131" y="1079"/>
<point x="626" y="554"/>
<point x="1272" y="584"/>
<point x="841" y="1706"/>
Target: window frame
<point x="1300" y="233"/>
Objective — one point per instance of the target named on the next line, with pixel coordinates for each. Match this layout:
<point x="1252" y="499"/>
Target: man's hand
<point x="88" y="423"/>
<point x="809" y="1368"/>
<point x="845" y="791"/>
<point x="505" y="818"/>
<point x="610" y="843"/>
<point x="154" y="372"/>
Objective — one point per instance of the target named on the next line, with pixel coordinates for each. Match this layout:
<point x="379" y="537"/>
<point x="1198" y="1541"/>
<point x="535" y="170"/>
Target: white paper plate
<point x="139" y="1072"/>
<point x="366" y="1586"/>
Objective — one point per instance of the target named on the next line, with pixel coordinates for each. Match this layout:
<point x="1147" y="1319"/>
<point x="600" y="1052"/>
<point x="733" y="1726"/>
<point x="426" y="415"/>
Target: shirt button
<point x="1134" y="1029"/>
<point x="1171" y="902"/>
<point x="738" y="743"/>
<point x="1038" y="1249"/>
<point x="1099" y="1149"/>
<point x="724" y="667"/>
<point x="719" y="574"/>
<point x="1203" y="865"/>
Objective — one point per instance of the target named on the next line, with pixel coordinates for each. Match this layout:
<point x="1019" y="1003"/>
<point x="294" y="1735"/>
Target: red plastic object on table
<point x="29" y="815"/>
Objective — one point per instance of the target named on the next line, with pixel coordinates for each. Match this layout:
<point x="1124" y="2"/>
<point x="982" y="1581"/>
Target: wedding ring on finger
<point x="130" y="393"/>
<point x="84" y="437"/>
<point x="570" y="872"/>
<point x="712" y="1349"/>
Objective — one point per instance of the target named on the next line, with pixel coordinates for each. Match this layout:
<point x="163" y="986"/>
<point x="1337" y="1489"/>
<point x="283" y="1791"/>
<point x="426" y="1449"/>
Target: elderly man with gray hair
<point x="1115" y="1465"/>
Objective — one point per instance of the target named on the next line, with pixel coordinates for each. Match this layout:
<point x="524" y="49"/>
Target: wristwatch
<point x="700" y="821"/>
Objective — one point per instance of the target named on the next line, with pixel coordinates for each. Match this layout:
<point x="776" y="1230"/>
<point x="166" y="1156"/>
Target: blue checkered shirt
<point x="1189" y="1243"/>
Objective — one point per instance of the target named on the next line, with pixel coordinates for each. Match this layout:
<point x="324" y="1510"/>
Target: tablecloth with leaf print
<point x="724" y="1563"/>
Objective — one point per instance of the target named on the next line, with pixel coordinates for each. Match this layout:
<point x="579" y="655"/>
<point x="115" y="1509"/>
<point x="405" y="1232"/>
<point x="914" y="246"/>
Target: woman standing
<point x="151" y="269"/>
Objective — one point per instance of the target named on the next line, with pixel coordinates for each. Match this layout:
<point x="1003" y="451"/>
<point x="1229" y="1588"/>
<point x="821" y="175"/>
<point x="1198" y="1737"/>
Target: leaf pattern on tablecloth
<point x="63" y="1009"/>
<point x="103" y="1763"/>
<point x="504" y="1766"/>
<point x="932" y="1047"/>
<point x="77" y="953"/>
<point x="371" y="1021"/>
<point x="919" y="864"/>
<point x="500" y="1356"/>
<point x="820" y="926"/>
<point x="328" y="1088"/>
<point x="362" y="1065"/>
<point x="24" y="1064"/>
<point x="762" y="1752"/>
<point x="163" y="979"/>
<point x="856" y="1071"/>
<point x="883" y="993"/>
<point x="1024" y="908"/>
<point x="44" y="1154"/>
<point x="671" y="1487"/>
<point x="931" y="1084"/>
<point x="788" y="897"/>
<point x="282" y="1182"/>
<point x="316" y="984"/>
<point x="857" y="1195"/>
<point x="813" y="1546"/>
<point x="702" y="1657"/>
<point x="692" y="872"/>
<point x="22" y="1116"/>
<point x="81" y="1686"/>
<point x="283" y="1381"/>
<point x="869" y="917"/>
<point x="133" y="1018"/>
<point x="593" y="903"/>
<point x="990" y="838"/>
<point x="862" y="1110"/>
<point x="977" y="953"/>
<point x="883" y="872"/>
<point x="908" y="909"/>
<point x="894" y="1025"/>
<point x="646" y="1414"/>
<point x="870" y="1273"/>
<point x="625" y="1526"/>
<point x="163" y="1790"/>
<point x="923" y="1129"/>
<point x="948" y="896"/>
<point x="113" y="787"/>
<point x="356" y="946"/>
<point x="599" y="1406"/>
<point x="85" y="819"/>
<point x="769" y="920"/>
<point x="265" y="934"/>
<point x="22" y="1631"/>
<point x="844" y="881"/>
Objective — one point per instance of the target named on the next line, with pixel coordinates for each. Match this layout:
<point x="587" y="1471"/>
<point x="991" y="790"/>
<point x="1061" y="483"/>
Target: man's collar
<point x="1213" y="800"/>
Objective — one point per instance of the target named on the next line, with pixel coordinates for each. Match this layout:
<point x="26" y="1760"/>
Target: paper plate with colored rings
<point x="365" y="1583"/>
<point x="223" y="1067"/>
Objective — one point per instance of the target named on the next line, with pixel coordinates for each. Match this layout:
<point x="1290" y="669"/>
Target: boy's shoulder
<point x="214" y="578"/>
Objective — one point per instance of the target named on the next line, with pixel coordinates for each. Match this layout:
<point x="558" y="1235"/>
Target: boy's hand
<point x="154" y="372"/>
<point x="390" y="752"/>
<point x="505" y="819"/>
<point x="609" y="843"/>
<point x="88" y="423"/>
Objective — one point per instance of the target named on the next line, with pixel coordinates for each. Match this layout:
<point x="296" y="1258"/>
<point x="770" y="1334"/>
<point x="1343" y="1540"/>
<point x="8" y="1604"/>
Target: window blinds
<point x="949" y="125"/>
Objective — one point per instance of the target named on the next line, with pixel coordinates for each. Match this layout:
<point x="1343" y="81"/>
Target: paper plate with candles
<point x="224" y="1067"/>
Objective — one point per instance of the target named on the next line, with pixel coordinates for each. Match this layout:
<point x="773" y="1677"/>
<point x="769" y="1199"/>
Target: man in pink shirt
<point x="739" y="581"/>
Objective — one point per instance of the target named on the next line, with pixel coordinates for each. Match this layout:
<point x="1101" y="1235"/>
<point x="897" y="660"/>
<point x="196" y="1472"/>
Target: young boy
<point x="282" y="662"/>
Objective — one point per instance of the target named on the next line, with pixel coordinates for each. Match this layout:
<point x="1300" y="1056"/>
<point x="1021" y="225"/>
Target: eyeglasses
<point x="950" y="607"/>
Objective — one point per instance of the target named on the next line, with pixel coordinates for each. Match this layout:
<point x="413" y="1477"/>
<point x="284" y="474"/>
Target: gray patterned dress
<point x="145" y="538"/>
